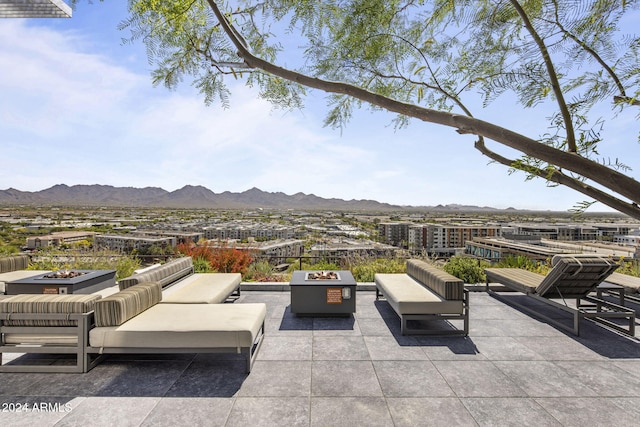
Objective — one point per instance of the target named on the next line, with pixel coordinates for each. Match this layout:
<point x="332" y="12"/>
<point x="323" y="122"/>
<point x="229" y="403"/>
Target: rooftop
<point x="34" y="9"/>
<point x="359" y="371"/>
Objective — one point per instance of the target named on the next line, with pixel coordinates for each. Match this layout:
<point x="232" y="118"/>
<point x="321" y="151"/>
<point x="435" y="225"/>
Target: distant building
<point x="495" y="249"/>
<point x="127" y="243"/>
<point x="394" y="233"/>
<point x="352" y="248"/>
<point x="58" y="238"/>
<point x="35" y="9"/>
<point x="276" y="251"/>
<point x="443" y="239"/>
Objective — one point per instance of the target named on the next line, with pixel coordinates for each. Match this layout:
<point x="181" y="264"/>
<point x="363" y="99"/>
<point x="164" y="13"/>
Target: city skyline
<point x="78" y="107"/>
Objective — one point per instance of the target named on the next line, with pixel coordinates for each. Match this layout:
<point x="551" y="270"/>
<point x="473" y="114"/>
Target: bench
<point x="425" y="292"/>
<point x="181" y="285"/>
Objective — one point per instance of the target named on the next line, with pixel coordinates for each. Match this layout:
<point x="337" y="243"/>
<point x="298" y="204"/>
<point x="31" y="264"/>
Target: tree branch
<point x="608" y="178"/>
<point x="553" y="77"/>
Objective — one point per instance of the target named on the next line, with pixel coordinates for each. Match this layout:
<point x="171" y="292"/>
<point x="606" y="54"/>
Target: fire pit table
<point x="63" y="282"/>
<point x="323" y="293"/>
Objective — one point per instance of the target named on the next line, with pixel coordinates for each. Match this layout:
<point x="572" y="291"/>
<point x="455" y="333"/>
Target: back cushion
<point x="38" y="303"/>
<point x="13" y="263"/>
<point x="116" y="309"/>
<point x="439" y="281"/>
<point x="158" y="274"/>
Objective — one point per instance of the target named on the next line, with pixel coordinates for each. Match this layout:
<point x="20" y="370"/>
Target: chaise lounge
<point x="570" y="278"/>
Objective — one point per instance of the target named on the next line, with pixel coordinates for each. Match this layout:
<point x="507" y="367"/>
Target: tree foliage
<point x="426" y="60"/>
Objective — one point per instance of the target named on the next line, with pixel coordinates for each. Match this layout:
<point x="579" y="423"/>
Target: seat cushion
<point x="407" y="296"/>
<point x="39" y="303"/>
<point x="202" y="288"/>
<point x="185" y="326"/>
<point x="515" y="278"/>
<point x="116" y="309"/>
<point x="631" y="284"/>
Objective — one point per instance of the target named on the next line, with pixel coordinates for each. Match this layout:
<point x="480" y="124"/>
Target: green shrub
<point x="524" y="263"/>
<point x="469" y="270"/>
<point x="364" y="271"/>
<point x="262" y="271"/>
<point x="124" y="265"/>
<point x="201" y="265"/>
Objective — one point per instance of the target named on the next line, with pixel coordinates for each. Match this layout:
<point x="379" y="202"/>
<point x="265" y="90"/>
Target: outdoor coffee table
<point x="329" y="295"/>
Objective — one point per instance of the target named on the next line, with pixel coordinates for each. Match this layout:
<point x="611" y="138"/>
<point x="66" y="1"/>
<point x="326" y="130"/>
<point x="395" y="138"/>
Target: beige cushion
<point x="185" y="326"/>
<point x="39" y="303"/>
<point x="407" y="296"/>
<point x="515" y="278"/>
<point x="116" y="309"/>
<point x="631" y="284"/>
<point x="202" y="288"/>
<point x="439" y="281"/>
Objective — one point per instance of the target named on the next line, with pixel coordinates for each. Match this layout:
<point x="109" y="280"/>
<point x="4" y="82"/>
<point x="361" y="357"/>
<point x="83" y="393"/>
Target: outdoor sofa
<point x="425" y="292"/>
<point x="571" y="278"/>
<point x="141" y="318"/>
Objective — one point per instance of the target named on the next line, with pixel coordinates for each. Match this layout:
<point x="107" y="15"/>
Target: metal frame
<point x="404" y="318"/>
<point x="250" y="353"/>
<point x="81" y="331"/>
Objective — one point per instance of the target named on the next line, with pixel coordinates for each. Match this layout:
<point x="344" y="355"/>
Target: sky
<point x="77" y="106"/>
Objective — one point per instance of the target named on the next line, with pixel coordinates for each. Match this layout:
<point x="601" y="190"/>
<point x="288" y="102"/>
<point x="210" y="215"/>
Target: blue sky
<point x="78" y="107"/>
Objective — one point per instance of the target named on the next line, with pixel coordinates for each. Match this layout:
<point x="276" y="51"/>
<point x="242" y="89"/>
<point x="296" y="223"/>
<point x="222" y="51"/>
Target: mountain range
<point x="190" y="196"/>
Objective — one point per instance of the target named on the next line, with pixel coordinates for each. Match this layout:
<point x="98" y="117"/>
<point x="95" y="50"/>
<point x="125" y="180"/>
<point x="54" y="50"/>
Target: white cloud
<point x="71" y="114"/>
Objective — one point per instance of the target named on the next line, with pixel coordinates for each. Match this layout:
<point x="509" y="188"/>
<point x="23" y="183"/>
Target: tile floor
<point x="356" y="371"/>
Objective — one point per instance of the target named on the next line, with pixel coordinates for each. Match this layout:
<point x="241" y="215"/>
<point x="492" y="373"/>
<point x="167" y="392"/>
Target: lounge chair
<point x="570" y="278"/>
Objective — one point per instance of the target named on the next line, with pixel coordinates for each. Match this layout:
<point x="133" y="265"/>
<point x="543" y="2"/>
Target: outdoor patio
<point x="355" y="371"/>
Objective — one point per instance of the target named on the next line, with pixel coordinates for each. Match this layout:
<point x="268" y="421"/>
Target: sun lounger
<point x="570" y="278"/>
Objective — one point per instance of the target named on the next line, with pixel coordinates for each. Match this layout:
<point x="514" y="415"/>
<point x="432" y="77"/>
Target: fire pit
<point x="63" y="282"/>
<point x="63" y="274"/>
<point x="323" y="293"/>
<point x="323" y="275"/>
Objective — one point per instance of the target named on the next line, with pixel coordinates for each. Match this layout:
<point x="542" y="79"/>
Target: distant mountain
<point x="186" y="197"/>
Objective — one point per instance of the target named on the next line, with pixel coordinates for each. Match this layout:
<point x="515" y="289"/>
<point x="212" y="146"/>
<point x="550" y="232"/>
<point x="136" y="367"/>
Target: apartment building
<point x="394" y="233"/>
<point x="276" y="252"/>
<point x="352" y="248"/>
<point x="243" y="230"/>
<point x="127" y="243"/>
<point x="446" y="239"/>
<point x="58" y="238"/>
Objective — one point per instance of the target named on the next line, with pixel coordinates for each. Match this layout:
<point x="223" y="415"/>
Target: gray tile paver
<point x="513" y="369"/>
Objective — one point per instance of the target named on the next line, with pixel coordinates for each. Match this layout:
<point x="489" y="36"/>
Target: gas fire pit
<point x="323" y="275"/>
<point x="323" y="293"/>
<point x="63" y="282"/>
